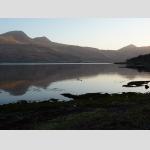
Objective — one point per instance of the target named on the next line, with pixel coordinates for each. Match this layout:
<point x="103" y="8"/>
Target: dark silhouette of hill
<point x="143" y="60"/>
<point x="16" y="46"/>
<point x="140" y="63"/>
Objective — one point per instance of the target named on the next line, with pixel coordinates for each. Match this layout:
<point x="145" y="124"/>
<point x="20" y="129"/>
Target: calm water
<point x="42" y="82"/>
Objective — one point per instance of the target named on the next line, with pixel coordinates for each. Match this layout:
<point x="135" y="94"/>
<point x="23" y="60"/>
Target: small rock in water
<point x="146" y="86"/>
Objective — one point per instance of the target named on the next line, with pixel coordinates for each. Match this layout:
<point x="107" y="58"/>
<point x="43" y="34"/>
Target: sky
<point x="102" y="33"/>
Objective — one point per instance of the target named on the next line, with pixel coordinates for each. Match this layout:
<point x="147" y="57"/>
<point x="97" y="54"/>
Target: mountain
<point x="132" y="51"/>
<point x="15" y="37"/>
<point x="127" y="52"/>
<point x="43" y="41"/>
<point x="16" y="46"/>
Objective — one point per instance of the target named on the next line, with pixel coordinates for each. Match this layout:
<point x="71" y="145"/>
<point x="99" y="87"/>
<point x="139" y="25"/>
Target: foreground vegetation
<point x="89" y="111"/>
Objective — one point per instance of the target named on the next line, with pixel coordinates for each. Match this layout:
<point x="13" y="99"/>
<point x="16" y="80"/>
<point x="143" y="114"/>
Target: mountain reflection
<point x="16" y="79"/>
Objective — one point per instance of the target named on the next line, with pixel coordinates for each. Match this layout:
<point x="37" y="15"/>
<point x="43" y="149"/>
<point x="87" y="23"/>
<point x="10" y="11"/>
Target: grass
<point x="88" y="111"/>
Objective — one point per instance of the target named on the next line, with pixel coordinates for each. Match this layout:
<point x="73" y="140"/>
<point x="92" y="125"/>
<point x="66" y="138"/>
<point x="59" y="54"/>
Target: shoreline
<point x="86" y="63"/>
<point x="93" y="111"/>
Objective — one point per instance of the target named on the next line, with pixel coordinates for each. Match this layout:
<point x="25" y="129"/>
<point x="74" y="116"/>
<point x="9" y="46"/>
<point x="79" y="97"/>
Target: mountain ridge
<point x="17" y="46"/>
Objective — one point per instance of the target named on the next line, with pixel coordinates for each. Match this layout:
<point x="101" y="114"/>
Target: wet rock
<point x="137" y="84"/>
<point x="146" y="86"/>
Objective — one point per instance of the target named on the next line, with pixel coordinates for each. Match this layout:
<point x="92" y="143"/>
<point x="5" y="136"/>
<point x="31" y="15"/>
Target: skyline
<point x="92" y="32"/>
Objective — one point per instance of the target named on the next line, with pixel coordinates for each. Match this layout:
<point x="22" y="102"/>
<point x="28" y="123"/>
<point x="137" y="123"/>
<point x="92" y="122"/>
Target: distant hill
<point x="16" y="46"/>
<point x="141" y="63"/>
<point x="143" y="60"/>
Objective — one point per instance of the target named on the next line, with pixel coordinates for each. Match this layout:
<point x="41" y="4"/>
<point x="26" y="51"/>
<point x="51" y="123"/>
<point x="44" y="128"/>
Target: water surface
<point x="39" y="82"/>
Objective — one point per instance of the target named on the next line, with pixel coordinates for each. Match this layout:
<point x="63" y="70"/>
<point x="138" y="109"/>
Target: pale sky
<point x="100" y="33"/>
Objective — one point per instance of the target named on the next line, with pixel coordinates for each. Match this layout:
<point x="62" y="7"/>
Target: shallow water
<point x="46" y="81"/>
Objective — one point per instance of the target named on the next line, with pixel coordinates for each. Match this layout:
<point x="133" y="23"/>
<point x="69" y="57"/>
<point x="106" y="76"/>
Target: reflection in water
<point x="41" y="82"/>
